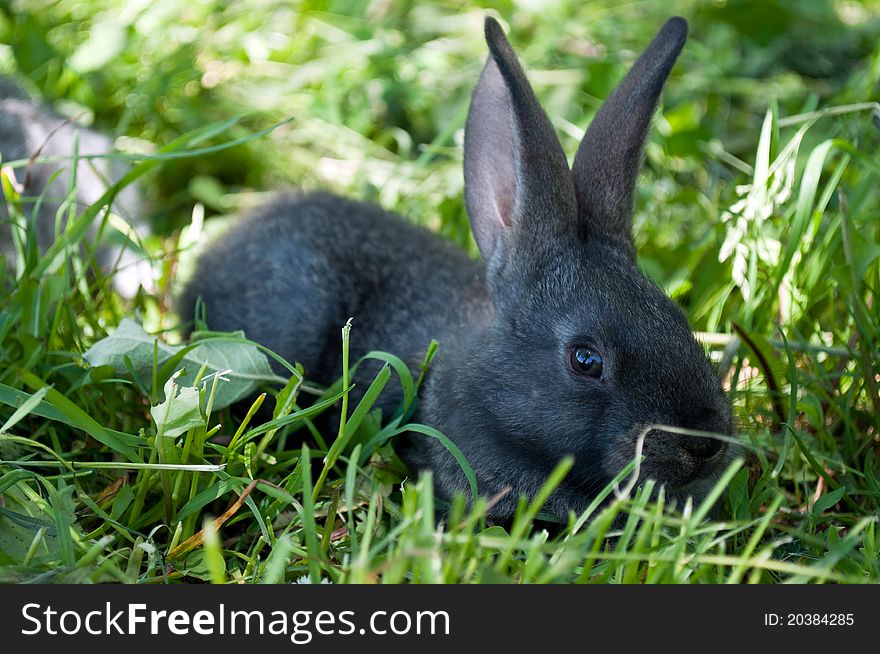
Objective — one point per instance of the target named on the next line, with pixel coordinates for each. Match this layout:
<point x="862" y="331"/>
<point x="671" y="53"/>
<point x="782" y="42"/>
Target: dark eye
<point x="586" y="361"/>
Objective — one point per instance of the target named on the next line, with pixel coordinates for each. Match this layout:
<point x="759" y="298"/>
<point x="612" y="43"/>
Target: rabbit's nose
<point x="701" y="447"/>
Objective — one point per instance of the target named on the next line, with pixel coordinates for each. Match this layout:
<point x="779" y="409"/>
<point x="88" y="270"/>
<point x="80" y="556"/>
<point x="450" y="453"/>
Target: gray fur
<point x="500" y="387"/>
<point x="26" y="128"/>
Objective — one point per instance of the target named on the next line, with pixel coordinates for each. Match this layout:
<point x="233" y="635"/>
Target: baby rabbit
<point x="555" y="344"/>
<point x="26" y="129"/>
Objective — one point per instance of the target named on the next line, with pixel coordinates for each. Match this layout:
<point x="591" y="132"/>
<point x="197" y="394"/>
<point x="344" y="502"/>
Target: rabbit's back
<point x="294" y="271"/>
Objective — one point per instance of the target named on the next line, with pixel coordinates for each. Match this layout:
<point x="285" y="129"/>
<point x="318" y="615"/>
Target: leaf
<point x="406" y="380"/>
<point x="29" y="405"/>
<point x="74" y="416"/>
<point x="243" y="364"/>
<point x="16" y="398"/>
<point x="196" y="565"/>
<point x="180" y="411"/>
<point x="357" y="417"/>
<point x="17" y="532"/>
<point x="63" y="511"/>
<point x="495" y="531"/>
<point x="453" y="450"/>
<point x="828" y="500"/>
<point x="129" y="340"/>
<point x="805" y="204"/>
<point x="12" y="477"/>
<point x="738" y="495"/>
<point x="197" y="539"/>
<point x="210" y="494"/>
<point x="279" y="557"/>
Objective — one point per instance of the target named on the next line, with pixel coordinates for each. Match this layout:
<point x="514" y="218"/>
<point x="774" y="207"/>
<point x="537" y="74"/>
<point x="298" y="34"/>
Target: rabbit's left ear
<point x="518" y="186"/>
<point x="609" y="157"/>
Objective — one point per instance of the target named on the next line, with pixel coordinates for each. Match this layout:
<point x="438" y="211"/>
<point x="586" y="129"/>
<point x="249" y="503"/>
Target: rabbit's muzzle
<point x="679" y="455"/>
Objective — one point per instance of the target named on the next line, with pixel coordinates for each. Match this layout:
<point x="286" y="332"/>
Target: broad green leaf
<point x="243" y="364"/>
<point x="129" y="340"/>
<point x="179" y="412"/>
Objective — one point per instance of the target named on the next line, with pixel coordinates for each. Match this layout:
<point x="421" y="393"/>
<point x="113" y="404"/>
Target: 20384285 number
<point x="826" y="619"/>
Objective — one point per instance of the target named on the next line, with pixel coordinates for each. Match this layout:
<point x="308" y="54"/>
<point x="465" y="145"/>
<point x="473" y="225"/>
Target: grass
<point x="758" y="212"/>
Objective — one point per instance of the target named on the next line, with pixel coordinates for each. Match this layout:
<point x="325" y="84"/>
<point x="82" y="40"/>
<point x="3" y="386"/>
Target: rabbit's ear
<point x="607" y="162"/>
<point x="516" y="176"/>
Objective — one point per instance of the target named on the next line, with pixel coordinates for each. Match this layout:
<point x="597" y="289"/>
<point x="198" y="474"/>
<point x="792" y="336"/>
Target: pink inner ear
<point x="503" y="205"/>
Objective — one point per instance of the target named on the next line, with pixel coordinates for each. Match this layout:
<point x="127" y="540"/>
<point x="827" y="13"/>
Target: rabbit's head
<point x="582" y="354"/>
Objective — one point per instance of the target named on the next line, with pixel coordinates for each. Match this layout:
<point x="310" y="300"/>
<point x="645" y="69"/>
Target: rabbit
<point x="554" y="344"/>
<point x="28" y="128"/>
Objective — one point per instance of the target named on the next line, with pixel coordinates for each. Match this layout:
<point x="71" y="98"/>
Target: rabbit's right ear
<point x="518" y="186"/>
<point x="607" y="162"/>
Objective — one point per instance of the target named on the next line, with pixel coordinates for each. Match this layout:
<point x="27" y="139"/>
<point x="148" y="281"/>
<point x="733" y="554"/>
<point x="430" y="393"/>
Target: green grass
<point x="758" y="211"/>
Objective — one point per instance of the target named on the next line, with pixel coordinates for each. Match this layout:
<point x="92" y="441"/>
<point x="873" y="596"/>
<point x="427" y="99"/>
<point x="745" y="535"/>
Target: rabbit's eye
<point x="586" y="361"/>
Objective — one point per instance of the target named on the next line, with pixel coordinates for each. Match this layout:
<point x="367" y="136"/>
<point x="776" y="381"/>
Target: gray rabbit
<point x="28" y="128"/>
<point x="554" y="344"/>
